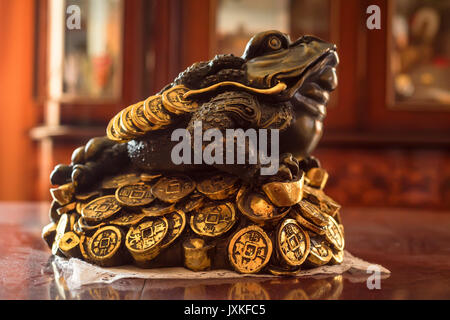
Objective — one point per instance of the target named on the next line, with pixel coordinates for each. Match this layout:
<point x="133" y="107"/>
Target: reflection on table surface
<point x="413" y="244"/>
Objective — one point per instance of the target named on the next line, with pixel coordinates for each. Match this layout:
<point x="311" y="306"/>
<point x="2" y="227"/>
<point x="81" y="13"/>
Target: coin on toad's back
<point x="174" y="188"/>
<point x="292" y="242"/>
<point x="100" y="209"/>
<point x="174" y="101"/>
<point x="117" y="126"/>
<point x="177" y="222"/>
<point x="120" y="180"/>
<point x="143" y="240"/>
<point x="249" y="250"/>
<point x="320" y="253"/>
<point x="113" y="134"/>
<point x="313" y="214"/>
<point x="337" y="256"/>
<point x="158" y="209"/>
<point x="127" y="218"/>
<point x="334" y="235"/>
<point x="218" y="187"/>
<point x="127" y="123"/>
<point x="155" y="112"/>
<point x="213" y="219"/>
<point x="139" y="119"/>
<point x="297" y="215"/>
<point x="104" y="246"/>
<point x="247" y="291"/>
<point x="134" y="195"/>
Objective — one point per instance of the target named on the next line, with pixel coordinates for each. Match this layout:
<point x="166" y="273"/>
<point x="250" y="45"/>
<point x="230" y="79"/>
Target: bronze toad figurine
<point x="140" y="196"/>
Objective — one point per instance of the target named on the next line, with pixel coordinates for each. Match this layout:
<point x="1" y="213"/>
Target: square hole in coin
<point x="146" y="233"/>
<point x="212" y="218"/>
<point x="293" y="242"/>
<point x="250" y="250"/>
<point x="104" y="243"/>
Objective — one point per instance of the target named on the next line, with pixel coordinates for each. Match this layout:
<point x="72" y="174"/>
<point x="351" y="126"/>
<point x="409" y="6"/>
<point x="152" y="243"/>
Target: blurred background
<point x="387" y="133"/>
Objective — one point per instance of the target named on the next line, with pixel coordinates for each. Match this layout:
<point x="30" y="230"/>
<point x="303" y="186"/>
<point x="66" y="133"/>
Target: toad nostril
<point x="328" y="78"/>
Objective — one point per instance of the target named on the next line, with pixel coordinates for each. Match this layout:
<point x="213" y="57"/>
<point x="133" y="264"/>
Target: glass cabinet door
<point x="419" y="55"/>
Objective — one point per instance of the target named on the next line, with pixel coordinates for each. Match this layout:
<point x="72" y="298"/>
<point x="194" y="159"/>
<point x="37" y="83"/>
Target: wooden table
<point x="413" y="244"/>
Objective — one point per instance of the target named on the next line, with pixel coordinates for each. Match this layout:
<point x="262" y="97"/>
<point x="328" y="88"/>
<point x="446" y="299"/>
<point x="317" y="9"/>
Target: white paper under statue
<point x="78" y="273"/>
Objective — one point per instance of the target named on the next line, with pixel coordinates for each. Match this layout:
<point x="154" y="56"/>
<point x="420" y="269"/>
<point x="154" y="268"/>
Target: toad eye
<point x="274" y="43"/>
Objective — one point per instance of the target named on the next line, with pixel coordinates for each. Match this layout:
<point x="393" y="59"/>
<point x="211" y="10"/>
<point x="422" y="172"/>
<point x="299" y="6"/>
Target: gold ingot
<point x="127" y="123"/>
<point x="214" y="219"/>
<point x="258" y="208"/>
<point x="66" y="209"/>
<point x="118" y="181"/>
<point x="128" y="218"/>
<point x="218" y="187"/>
<point x="173" y="100"/>
<point x="87" y="196"/>
<point x="61" y="228"/>
<point x="317" y="178"/>
<point x="320" y="252"/>
<point x="104" y="248"/>
<point x="334" y="235"/>
<point x="313" y="214"/>
<point x="70" y="245"/>
<point x="158" y="209"/>
<point x="249" y="250"/>
<point x="174" y="188"/>
<point x="284" y="194"/>
<point x="143" y="240"/>
<point x="318" y="197"/>
<point x="100" y="209"/>
<point x="134" y="195"/>
<point x="79" y="207"/>
<point x="177" y="223"/>
<point x="63" y="194"/>
<point x="197" y="254"/>
<point x="296" y="213"/>
<point x="146" y="177"/>
<point x="48" y="234"/>
<point x="292" y="243"/>
<point x="155" y="112"/>
<point x="247" y="291"/>
<point x="337" y="256"/>
<point x="139" y="119"/>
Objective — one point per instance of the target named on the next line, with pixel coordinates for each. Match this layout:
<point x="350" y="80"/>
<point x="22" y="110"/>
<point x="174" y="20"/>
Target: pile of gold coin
<point x="147" y="219"/>
<point x="154" y="113"/>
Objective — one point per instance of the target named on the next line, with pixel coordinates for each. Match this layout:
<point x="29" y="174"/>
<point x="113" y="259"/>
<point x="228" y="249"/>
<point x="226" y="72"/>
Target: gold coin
<point x="61" y="228"/>
<point x="127" y="123"/>
<point x="134" y="195"/>
<point x="84" y="241"/>
<point x="318" y="197"/>
<point x="174" y="188"/>
<point x="66" y="209"/>
<point x="334" y="235"/>
<point x="146" y="177"/>
<point x="101" y="208"/>
<point x="218" y="187"/>
<point x="177" y="222"/>
<point x="293" y="242"/>
<point x="104" y="246"/>
<point x="144" y="239"/>
<point x="118" y="181"/>
<point x="155" y="112"/>
<point x="128" y="218"/>
<point x="84" y="227"/>
<point x="320" y="253"/>
<point x="158" y="209"/>
<point x="113" y="134"/>
<point x="258" y="208"/>
<point x="117" y="126"/>
<point x="174" y="102"/>
<point x="249" y="250"/>
<point x="193" y="202"/>
<point x="48" y="234"/>
<point x="139" y="119"/>
<point x="297" y="215"/>
<point x="313" y="214"/>
<point x="69" y="245"/>
<point x="337" y="256"/>
<point x="214" y="219"/>
<point x="285" y="272"/>
<point x="247" y="291"/>
<point x="87" y="196"/>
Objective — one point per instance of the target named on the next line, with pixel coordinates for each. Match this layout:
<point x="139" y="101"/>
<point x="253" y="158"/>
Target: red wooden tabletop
<point x="413" y="244"/>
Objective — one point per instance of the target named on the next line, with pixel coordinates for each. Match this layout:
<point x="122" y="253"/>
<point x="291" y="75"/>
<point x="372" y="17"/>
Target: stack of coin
<point x="133" y="217"/>
<point x="156" y="112"/>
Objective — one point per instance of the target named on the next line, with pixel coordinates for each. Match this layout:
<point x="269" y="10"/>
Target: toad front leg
<point x="90" y="163"/>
